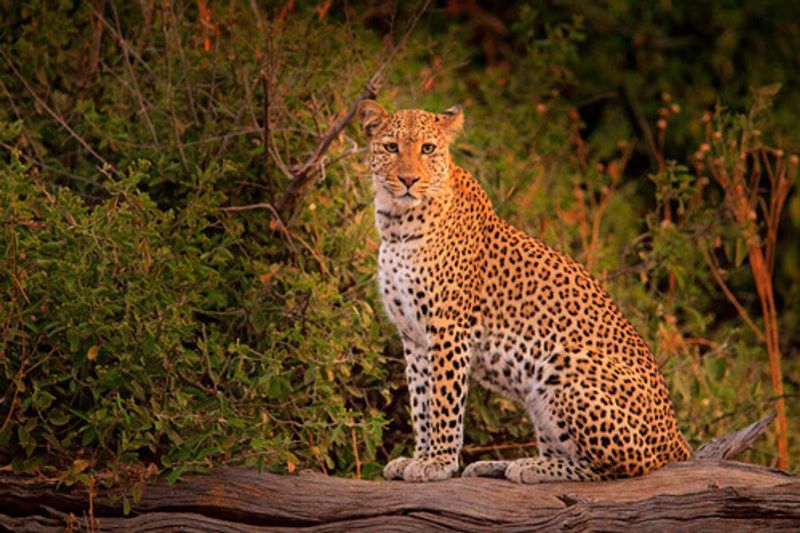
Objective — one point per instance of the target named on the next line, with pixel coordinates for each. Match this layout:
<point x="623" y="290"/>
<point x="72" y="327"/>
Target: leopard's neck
<point x="410" y="225"/>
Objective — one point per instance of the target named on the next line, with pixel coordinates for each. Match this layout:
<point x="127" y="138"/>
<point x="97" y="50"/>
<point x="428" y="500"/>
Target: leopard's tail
<point x="732" y="444"/>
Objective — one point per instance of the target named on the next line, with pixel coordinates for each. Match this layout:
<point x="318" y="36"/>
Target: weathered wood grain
<point x="702" y="495"/>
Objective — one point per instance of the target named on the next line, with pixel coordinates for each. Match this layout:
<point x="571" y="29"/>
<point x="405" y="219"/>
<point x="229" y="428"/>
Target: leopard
<point x="478" y="301"/>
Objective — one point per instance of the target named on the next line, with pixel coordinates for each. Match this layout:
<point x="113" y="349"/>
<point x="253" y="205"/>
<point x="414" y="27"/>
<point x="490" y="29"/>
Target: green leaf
<point x="58" y="417"/>
<point x="42" y="400"/>
<point x="88" y="436"/>
<point x="148" y="344"/>
<point x="175" y="474"/>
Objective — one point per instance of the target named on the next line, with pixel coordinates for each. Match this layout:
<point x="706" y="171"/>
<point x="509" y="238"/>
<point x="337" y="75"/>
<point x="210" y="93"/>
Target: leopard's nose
<point x="409" y="180"/>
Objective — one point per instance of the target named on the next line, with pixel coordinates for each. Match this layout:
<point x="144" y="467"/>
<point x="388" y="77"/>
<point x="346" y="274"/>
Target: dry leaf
<point x="267" y="276"/>
<point x="91" y="354"/>
<point x="79" y="465"/>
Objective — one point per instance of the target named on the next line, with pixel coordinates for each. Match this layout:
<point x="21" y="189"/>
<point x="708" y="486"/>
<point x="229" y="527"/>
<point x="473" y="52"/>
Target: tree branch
<point x="303" y="178"/>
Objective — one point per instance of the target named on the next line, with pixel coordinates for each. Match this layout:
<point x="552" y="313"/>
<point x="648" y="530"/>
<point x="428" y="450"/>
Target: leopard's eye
<point x="391" y="147"/>
<point x="428" y="149"/>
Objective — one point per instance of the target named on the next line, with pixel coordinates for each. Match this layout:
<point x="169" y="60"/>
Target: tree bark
<point x="697" y="495"/>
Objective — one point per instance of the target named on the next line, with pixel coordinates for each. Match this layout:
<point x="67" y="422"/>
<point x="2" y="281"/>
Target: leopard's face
<point x="409" y="153"/>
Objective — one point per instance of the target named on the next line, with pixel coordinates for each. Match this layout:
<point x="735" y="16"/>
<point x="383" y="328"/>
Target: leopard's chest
<point x="401" y="281"/>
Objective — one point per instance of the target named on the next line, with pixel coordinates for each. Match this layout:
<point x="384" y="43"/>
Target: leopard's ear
<point x="371" y="115"/>
<point x="451" y="121"/>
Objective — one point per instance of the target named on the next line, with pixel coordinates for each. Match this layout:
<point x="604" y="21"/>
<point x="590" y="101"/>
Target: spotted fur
<point x="476" y="299"/>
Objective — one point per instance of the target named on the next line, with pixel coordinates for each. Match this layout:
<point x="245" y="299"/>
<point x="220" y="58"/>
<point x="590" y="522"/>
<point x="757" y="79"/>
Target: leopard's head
<point x="409" y="152"/>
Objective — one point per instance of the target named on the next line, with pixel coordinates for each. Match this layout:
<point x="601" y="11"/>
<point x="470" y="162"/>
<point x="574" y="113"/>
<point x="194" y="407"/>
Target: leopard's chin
<point x="407" y="201"/>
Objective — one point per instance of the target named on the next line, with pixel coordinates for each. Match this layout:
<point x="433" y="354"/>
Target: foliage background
<point x="146" y="330"/>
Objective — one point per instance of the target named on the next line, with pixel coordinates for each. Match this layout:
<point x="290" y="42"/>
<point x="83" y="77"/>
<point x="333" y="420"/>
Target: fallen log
<point x="696" y="495"/>
<point x="706" y="493"/>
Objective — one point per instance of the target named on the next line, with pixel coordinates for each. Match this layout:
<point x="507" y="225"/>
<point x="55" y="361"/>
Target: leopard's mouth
<point x="398" y="200"/>
<point x="405" y="197"/>
<point x="407" y="200"/>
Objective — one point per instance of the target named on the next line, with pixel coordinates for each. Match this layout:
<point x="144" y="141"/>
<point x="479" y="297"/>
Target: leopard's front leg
<point x="449" y="354"/>
<point x="418" y="377"/>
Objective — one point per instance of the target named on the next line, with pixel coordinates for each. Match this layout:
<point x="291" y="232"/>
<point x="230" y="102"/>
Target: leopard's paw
<point x="430" y="469"/>
<point x="527" y="470"/>
<point x="395" y="468"/>
<point x="496" y="469"/>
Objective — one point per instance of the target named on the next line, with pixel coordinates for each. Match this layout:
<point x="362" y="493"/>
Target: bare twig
<point x="640" y="123"/>
<point x="212" y="109"/>
<point x="91" y="523"/>
<point x="250" y="207"/>
<point x="279" y="223"/>
<point x="469" y="448"/>
<point x="265" y="138"/>
<point x="18" y="114"/>
<point x="355" y="452"/>
<point x="135" y="84"/>
<point x="171" y="99"/>
<point x="132" y="52"/>
<point x="281" y="226"/>
<point x="304" y="177"/>
<point x="400" y="45"/>
<point x="712" y="266"/>
<point x="56" y="116"/>
<point x="92" y="62"/>
<point x="615" y="170"/>
<point x="36" y="162"/>
<point x="188" y="90"/>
